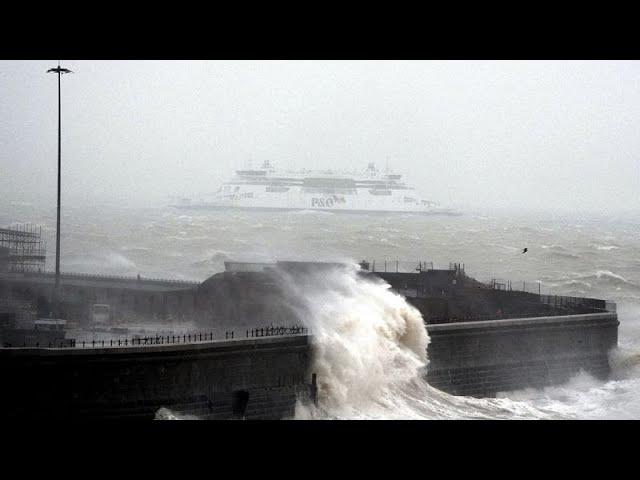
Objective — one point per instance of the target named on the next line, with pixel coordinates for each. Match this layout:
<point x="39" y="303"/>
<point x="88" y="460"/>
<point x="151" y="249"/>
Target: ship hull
<point x="446" y="212"/>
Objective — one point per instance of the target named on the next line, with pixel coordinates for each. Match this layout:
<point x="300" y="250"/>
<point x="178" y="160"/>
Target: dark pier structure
<point x="258" y="378"/>
<point x="484" y="338"/>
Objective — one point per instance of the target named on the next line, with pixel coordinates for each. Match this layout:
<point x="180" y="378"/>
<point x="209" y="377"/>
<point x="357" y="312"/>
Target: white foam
<point x="370" y="355"/>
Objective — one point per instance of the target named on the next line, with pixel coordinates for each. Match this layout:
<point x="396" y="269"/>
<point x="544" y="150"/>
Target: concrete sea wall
<point x="261" y="378"/>
<point x="486" y="357"/>
<point x="248" y="378"/>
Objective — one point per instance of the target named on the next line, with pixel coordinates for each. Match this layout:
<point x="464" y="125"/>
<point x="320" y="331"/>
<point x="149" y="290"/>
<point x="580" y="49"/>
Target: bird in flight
<point x="525" y="250"/>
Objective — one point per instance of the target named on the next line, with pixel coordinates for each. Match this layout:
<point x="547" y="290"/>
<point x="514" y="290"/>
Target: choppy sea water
<point x="567" y="254"/>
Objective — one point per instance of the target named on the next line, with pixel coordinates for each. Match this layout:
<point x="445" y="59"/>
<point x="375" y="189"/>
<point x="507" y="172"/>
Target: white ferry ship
<point x="269" y="189"/>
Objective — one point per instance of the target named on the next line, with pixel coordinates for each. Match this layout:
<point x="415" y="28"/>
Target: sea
<point x="362" y="326"/>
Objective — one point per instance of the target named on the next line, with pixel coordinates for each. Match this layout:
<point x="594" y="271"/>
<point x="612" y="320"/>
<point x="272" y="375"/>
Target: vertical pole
<point x="59" y="178"/>
<point x="56" y="291"/>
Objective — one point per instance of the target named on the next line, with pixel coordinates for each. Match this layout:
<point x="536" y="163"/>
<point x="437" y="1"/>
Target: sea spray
<point x="367" y="339"/>
<point x="370" y="352"/>
<point x="164" y="413"/>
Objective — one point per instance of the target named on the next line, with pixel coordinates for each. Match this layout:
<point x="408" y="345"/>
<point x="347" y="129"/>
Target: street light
<point x="60" y="71"/>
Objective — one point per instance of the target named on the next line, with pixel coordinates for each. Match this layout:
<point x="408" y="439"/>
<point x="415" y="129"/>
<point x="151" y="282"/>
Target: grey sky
<point x="520" y="134"/>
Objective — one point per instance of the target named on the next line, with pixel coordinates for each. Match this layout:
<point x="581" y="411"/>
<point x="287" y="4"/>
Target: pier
<point x="241" y="378"/>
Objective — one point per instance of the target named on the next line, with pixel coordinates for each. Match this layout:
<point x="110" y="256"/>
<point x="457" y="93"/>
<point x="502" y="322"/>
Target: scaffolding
<point x="22" y="248"/>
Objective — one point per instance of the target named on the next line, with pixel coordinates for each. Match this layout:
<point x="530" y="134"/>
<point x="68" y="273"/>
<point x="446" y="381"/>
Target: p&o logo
<point x="327" y="202"/>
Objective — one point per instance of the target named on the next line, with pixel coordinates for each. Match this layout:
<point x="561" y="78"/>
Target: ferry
<point x="269" y="189"/>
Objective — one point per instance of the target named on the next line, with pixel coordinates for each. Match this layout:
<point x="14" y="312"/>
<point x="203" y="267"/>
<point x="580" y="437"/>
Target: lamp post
<point x="60" y="71"/>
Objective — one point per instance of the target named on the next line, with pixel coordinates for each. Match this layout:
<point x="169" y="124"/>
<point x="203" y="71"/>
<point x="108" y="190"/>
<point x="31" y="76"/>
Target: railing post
<point x="314" y="389"/>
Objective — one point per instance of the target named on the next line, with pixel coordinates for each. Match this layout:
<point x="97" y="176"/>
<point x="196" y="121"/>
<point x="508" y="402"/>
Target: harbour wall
<point x="482" y="358"/>
<point x="259" y="378"/>
<point x="262" y="378"/>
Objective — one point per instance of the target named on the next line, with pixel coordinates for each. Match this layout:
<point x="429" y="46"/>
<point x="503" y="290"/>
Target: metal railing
<point x="113" y="277"/>
<point x="405" y="266"/>
<point x="508" y="316"/>
<point x="191" y="338"/>
<point x="275" y="331"/>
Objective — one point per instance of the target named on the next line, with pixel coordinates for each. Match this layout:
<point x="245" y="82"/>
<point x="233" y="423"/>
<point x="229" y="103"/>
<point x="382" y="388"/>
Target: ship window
<point x="276" y="188"/>
<point x="377" y="191"/>
<point x="329" y="183"/>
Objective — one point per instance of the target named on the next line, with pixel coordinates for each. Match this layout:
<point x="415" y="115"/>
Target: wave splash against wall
<point x="370" y="353"/>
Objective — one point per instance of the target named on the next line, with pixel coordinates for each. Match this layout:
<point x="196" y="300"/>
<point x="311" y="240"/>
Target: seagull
<point x="525" y="250"/>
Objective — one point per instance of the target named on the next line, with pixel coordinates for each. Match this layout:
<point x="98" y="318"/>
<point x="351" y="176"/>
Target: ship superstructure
<point x="268" y="188"/>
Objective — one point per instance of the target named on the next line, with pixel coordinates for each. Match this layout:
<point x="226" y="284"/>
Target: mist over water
<point x="369" y="347"/>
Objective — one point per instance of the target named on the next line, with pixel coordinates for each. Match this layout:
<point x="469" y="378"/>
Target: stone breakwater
<point x="483" y="358"/>
<point x="259" y="378"/>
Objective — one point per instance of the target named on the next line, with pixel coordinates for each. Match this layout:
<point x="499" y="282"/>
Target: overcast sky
<point x="520" y="134"/>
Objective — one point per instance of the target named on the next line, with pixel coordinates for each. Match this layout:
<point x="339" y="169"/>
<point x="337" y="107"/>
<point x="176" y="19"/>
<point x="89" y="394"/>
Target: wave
<point x="577" y="283"/>
<point x="563" y="255"/>
<point x="107" y="262"/>
<point x="213" y="259"/>
<point x="599" y="279"/>
<point x="553" y="247"/>
<point x="164" y="413"/>
<point x="370" y="354"/>
<point x="604" y="247"/>
<point x="611" y="275"/>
